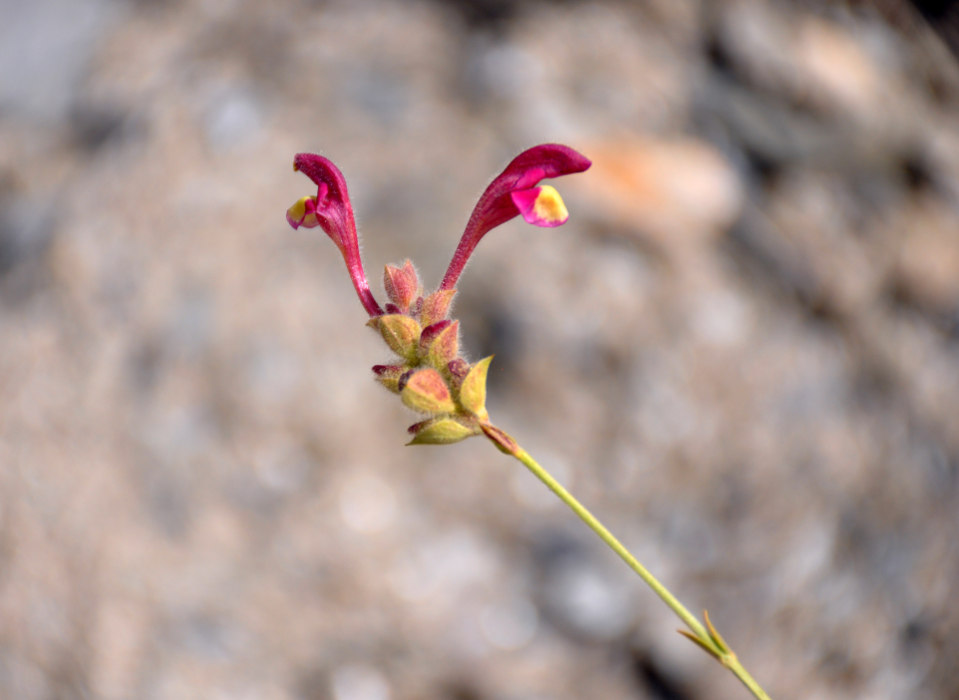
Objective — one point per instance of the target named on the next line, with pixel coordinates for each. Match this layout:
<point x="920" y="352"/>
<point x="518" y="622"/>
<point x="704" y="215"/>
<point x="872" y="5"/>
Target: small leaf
<point x="699" y="642"/>
<point x="473" y="388"/>
<point x="426" y="392"/>
<point x="715" y="635"/>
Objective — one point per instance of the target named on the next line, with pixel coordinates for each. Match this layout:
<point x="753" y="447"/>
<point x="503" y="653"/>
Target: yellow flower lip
<point x="541" y="206"/>
<point x="303" y="213"/>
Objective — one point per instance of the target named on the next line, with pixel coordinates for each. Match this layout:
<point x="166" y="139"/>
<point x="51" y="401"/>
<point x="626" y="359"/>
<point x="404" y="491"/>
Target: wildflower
<point x="514" y="192"/>
<point x="430" y="375"/>
<point x="331" y="210"/>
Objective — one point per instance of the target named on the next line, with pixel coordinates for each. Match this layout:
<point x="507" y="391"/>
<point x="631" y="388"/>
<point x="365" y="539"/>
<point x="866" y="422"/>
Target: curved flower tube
<point x="515" y="192"/>
<point x="331" y="210"/>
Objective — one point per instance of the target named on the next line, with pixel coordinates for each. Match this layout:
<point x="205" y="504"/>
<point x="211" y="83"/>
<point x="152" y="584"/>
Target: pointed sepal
<point x="473" y="389"/>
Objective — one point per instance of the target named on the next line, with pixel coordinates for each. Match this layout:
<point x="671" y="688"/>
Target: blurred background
<point x="742" y="351"/>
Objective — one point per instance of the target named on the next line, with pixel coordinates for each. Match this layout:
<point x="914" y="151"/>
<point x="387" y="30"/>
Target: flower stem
<point x="704" y="635"/>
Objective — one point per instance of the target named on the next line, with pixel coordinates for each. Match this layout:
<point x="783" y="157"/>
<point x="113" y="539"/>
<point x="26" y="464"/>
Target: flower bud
<point x="473" y="389"/>
<point x="400" y="332"/>
<point x="426" y="392"/>
<point x="436" y="306"/>
<point x="402" y="285"/>
<point x="441" y="431"/>
<point x="439" y="343"/>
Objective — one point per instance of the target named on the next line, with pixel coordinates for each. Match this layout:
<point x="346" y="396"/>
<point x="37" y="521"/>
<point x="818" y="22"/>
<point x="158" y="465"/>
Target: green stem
<point x="708" y="639"/>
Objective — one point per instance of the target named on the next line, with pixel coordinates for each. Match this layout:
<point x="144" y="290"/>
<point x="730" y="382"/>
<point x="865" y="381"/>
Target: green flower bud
<point x="400" y="332"/>
<point x="439" y="343"/>
<point x="426" y="391"/>
<point x="441" y="431"/>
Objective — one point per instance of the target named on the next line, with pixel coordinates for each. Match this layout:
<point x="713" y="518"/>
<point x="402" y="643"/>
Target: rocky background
<point x="742" y="351"/>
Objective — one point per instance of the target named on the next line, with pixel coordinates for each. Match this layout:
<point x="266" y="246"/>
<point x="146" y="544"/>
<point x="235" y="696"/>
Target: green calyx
<point x="400" y="332"/>
<point x="431" y="376"/>
<point x="442" y="431"/>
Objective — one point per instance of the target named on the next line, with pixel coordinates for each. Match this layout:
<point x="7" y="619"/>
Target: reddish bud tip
<point x="402" y="285"/>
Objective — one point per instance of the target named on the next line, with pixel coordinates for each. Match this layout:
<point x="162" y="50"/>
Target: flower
<point x="430" y="375"/>
<point x="514" y="192"/>
<point x="331" y="210"/>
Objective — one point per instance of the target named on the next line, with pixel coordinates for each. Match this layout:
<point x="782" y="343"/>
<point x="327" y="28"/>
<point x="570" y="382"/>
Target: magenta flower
<point x="331" y="210"/>
<point x="515" y="191"/>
